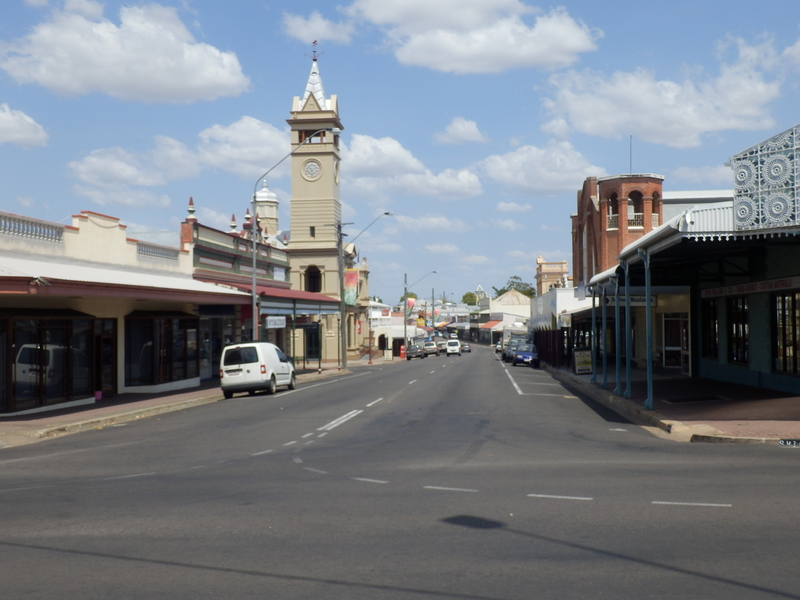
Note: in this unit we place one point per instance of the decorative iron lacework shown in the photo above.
(766, 183)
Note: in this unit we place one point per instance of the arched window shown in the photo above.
(313, 279)
(635, 210)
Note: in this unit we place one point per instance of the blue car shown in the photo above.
(525, 354)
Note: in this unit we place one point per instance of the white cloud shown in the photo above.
(476, 259)
(25, 201)
(513, 207)
(247, 147)
(316, 27)
(150, 57)
(377, 167)
(531, 170)
(122, 194)
(428, 223)
(36, 3)
(509, 224)
(476, 36)
(18, 128)
(378, 157)
(705, 176)
(242, 148)
(675, 114)
(442, 249)
(460, 130)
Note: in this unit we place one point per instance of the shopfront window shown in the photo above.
(786, 322)
(738, 330)
(710, 328)
(160, 350)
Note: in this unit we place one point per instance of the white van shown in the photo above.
(254, 366)
(453, 347)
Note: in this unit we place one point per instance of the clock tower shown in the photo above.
(315, 209)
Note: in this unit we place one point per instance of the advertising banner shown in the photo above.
(350, 287)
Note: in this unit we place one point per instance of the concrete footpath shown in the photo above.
(691, 409)
(686, 409)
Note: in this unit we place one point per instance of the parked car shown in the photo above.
(466, 348)
(453, 347)
(498, 346)
(254, 366)
(415, 351)
(525, 354)
(508, 353)
(430, 348)
(453, 336)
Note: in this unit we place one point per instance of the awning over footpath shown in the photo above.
(492, 325)
(58, 277)
(281, 301)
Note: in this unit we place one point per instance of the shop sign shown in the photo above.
(276, 322)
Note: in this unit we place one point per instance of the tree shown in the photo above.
(410, 295)
(470, 299)
(516, 283)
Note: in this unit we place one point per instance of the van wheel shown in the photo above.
(228, 394)
(271, 387)
(293, 382)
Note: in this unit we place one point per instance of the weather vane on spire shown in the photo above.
(314, 56)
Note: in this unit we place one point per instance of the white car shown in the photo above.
(254, 366)
(453, 347)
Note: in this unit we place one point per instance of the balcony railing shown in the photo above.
(155, 251)
(31, 228)
(635, 221)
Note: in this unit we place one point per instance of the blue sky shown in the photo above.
(474, 121)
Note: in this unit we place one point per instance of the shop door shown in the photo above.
(676, 342)
(105, 356)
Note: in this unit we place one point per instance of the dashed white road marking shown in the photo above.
(369, 480)
(320, 471)
(340, 420)
(262, 452)
(308, 435)
(617, 429)
(290, 443)
(693, 504)
(374, 402)
(298, 460)
(130, 476)
(558, 497)
(432, 372)
(449, 489)
(31, 487)
(323, 434)
(412, 382)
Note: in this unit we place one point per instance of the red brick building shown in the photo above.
(612, 213)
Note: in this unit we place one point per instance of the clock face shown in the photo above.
(311, 169)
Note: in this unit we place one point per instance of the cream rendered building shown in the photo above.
(316, 220)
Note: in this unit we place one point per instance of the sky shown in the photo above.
(475, 122)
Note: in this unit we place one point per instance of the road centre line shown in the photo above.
(262, 452)
(412, 382)
(514, 383)
(320, 471)
(374, 402)
(448, 489)
(290, 443)
(693, 504)
(340, 420)
(370, 480)
(30, 487)
(308, 435)
(129, 476)
(297, 460)
(558, 497)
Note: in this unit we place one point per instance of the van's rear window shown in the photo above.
(240, 356)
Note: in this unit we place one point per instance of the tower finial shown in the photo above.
(314, 50)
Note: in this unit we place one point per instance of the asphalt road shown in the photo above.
(448, 477)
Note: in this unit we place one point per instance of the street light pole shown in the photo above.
(405, 304)
(342, 304)
(255, 230)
